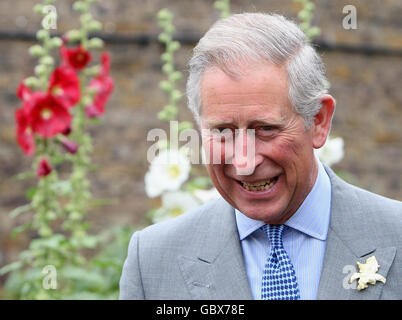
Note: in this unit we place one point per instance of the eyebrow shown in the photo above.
(216, 122)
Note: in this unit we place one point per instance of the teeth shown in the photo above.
(259, 186)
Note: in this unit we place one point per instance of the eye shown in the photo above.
(266, 131)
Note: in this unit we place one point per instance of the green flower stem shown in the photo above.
(168, 85)
(305, 16)
(59, 219)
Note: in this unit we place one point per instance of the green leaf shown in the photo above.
(90, 241)
(84, 279)
(20, 229)
(61, 187)
(52, 242)
(30, 193)
(21, 209)
(11, 267)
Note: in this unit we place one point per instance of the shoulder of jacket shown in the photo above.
(178, 230)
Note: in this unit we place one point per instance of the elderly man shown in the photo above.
(289, 228)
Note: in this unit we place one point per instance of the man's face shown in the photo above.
(283, 165)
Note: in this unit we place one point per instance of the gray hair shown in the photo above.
(260, 37)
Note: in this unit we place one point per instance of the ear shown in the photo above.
(322, 121)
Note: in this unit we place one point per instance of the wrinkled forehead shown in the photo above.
(260, 93)
(250, 85)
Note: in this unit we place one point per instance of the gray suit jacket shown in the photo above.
(198, 255)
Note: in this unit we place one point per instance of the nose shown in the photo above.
(245, 159)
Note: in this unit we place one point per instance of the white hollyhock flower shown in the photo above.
(206, 195)
(332, 152)
(167, 172)
(174, 204)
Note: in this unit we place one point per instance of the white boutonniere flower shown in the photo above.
(368, 273)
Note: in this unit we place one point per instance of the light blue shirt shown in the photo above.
(304, 240)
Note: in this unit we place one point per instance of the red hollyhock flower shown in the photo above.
(23, 92)
(92, 111)
(65, 84)
(76, 58)
(103, 85)
(48, 115)
(44, 168)
(24, 134)
(105, 64)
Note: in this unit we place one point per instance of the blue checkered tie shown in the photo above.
(279, 278)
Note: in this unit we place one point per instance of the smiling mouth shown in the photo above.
(262, 185)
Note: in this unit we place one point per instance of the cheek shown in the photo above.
(289, 153)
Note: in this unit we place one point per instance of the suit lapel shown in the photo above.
(349, 240)
(217, 270)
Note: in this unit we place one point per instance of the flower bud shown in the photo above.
(175, 76)
(46, 60)
(36, 50)
(173, 46)
(94, 25)
(304, 15)
(44, 168)
(73, 35)
(313, 32)
(38, 8)
(67, 131)
(80, 6)
(166, 57)
(42, 34)
(176, 95)
(164, 37)
(167, 68)
(95, 43)
(31, 82)
(55, 42)
(86, 18)
(165, 85)
(69, 146)
(40, 70)
(164, 14)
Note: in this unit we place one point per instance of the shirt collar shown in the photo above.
(312, 217)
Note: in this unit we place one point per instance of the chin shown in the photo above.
(267, 210)
(268, 216)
